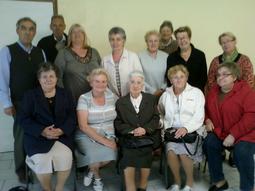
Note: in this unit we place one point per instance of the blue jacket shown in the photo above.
(35, 115)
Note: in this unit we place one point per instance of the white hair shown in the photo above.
(136, 73)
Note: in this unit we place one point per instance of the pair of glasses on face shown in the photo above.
(224, 75)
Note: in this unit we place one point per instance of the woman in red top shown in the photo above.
(230, 121)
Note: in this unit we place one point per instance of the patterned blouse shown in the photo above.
(242, 61)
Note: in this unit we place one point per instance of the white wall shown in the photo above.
(206, 18)
(10, 12)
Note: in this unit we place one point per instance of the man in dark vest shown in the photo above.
(19, 64)
(58, 39)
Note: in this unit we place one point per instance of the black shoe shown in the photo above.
(215, 188)
(19, 188)
(231, 161)
(140, 189)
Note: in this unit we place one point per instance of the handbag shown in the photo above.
(132, 142)
(188, 138)
(169, 136)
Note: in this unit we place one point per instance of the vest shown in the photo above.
(23, 69)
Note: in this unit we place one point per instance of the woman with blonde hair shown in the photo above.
(95, 138)
(76, 61)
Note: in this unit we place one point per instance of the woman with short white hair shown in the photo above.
(137, 118)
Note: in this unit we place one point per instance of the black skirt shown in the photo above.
(138, 158)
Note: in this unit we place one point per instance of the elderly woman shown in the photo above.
(137, 117)
(167, 43)
(182, 109)
(154, 64)
(48, 119)
(230, 53)
(120, 62)
(192, 58)
(76, 61)
(230, 121)
(95, 138)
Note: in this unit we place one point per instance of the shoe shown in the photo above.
(98, 184)
(175, 187)
(231, 161)
(88, 178)
(215, 188)
(187, 188)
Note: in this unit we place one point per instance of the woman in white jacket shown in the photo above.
(182, 108)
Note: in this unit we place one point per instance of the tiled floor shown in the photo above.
(110, 178)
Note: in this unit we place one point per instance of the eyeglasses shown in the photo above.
(224, 75)
(178, 78)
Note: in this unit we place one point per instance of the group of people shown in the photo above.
(66, 101)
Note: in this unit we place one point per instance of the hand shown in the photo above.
(139, 131)
(229, 141)
(158, 93)
(112, 144)
(181, 132)
(10, 111)
(50, 133)
(209, 125)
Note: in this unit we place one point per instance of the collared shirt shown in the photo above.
(5, 60)
(62, 40)
(136, 102)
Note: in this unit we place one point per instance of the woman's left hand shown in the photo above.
(229, 141)
(181, 132)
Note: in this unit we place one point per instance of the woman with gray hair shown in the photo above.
(120, 62)
(230, 53)
(136, 124)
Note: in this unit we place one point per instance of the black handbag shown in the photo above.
(188, 138)
(132, 142)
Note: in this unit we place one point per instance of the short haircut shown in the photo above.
(183, 29)
(97, 72)
(45, 67)
(57, 17)
(117, 30)
(166, 24)
(173, 70)
(69, 39)
(135, 73)
(149, 33)
(229, 34)
(232, 67)
(25, 19)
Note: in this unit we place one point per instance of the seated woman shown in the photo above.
(48, 119)
(230, 121)
(95, 138)
(182, 108)
(137, 116)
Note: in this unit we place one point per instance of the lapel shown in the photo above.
(143, 104)
(128, 104)
(42, 101)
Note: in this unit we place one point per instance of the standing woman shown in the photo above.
(137, 116)
(120, 62)
(192, 58)
(76, 61)
(95, 138)
(48, 119)
(154, 64)
(167, 43)
(230, 53)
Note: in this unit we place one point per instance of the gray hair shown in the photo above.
(24, 19)
(136, 73)
(117, 30)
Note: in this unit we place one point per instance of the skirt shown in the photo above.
(89, 151)
(179, 149)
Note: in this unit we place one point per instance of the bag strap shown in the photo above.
(195, 152)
